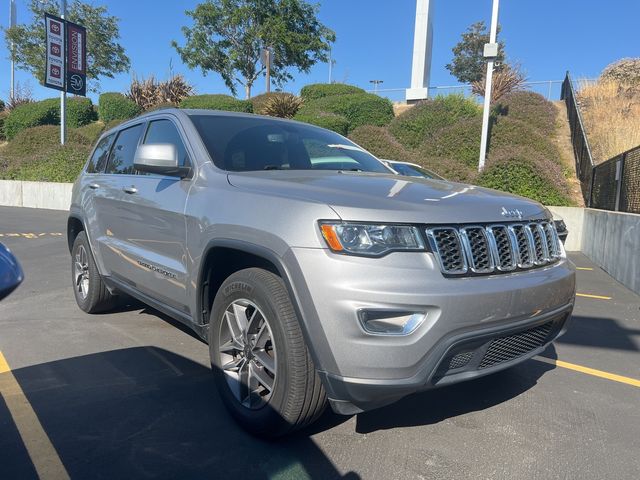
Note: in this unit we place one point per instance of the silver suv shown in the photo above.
(313, 272)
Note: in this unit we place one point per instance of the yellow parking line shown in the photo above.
(588, 295)
(590, 371)
(43, 455)
(584, 268)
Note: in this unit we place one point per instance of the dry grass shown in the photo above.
(611, 113)
(505, 81)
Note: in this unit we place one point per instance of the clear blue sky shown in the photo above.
(374, 39)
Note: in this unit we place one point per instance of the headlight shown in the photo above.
(371, 240)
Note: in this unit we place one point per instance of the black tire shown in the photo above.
(97, 297)
(298, 397)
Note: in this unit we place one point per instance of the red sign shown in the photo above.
(55, 38)
(76, 59)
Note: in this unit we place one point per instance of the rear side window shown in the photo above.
(99, 158)
(123, 151)
(164, 131)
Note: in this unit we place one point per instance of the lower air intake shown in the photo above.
(507, 348)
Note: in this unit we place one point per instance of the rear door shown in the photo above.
(151, 218)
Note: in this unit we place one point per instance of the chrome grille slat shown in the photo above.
(492, 248)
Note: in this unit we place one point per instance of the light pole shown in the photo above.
(12, 23)
(332, 62)
(490, 52)
(63, 93)
(375, 85)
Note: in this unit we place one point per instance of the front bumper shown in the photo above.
(362, 371)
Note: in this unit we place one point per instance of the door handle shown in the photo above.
(130, 190)
(94, 186)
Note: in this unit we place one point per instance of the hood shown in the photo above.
(374, 197)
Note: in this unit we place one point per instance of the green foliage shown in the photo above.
(36, 154)
(91, 131)
(113, 105)
(46, 112)
(80, 112)
(227, 37)
(319, 90)
(381, 143)
(259, 101)
(415, 125)
(3, 116)
(105, 57)
(468, 64)
(526, 172)
(217, 102)
(508, 132)
(358, 108)
(330, 121)
(459, 141)
(531, 108)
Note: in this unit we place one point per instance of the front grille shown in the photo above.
(460, 360)
(494, 248)
(507, 348)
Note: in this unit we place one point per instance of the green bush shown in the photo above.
(330, 121)
(531, 108)
(217, 102)
(450, 169)
(381, 143)
(320, 90)
(509, 132)
(358, 108)
(115, 106)
(412, 127)
(91, 131)
(460, 142)
(526, 172)
(3, 116)
(46, 112)
(80, 112)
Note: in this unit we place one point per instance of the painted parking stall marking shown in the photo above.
(590, 371)
(43, 454)
(595, 297)
(30, 235)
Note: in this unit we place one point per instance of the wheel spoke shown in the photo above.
(266, 360)
(245, 389)
(235, 365)
(232, 325)
(263, 335)
(261, 376)
(240, 317)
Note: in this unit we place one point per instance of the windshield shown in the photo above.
(243, 144)
(414, 171)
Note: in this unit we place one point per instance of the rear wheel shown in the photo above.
(262, 367)
(92, 295)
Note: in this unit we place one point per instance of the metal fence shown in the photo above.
(611, 185)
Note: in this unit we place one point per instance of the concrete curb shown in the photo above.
(48, 195)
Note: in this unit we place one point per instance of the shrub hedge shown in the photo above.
(381, 143)
(531, 108)
(259, 101)
(526, 172)
(46, 112)
(509, 132)
(91, 131)
(412, 127)
(358, 108)
(115, 106)
(330, 121)
(320, 90)
(459, 141)
(3, 116)
(217, 102)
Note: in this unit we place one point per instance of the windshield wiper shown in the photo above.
(271, 167)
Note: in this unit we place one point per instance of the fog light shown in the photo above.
(385, 322)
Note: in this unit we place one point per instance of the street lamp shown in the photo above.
(375, 85)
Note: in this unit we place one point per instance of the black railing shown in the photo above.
(581, 150)
(612, 185)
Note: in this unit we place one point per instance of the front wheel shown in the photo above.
(263, 370)
(92, 295)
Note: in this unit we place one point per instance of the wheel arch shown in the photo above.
(75, 225)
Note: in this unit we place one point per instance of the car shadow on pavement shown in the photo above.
(145, 412)
(600, 332)
(433, 406)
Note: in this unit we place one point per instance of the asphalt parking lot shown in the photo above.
(129, 395)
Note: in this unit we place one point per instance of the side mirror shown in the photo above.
(10, 272)
(160, 158)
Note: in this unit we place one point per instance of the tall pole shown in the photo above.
(267, 55)
(12, 23)
(330, 66)
(63, 93)
(487, 89)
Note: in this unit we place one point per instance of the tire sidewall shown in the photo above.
(270, 417)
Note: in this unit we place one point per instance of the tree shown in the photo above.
(105, 56)
(228, 36)
(469, 64)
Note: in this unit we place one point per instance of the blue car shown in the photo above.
(10, 272)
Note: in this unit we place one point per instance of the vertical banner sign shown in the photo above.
(55, 39)
(76, 59)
